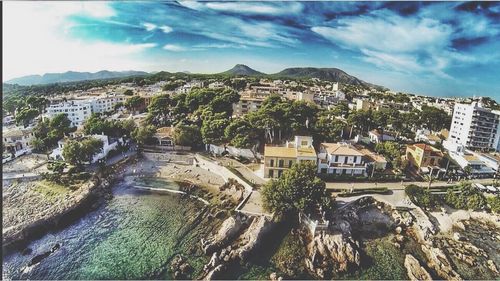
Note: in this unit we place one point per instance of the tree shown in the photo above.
(466, 197)
(298, 190)
(212, 129)
(78, 152)
(434, 118)
(241, 133)
(134, 103)
(128, 92)
(57, 167)
(187, 135)
(328, 129)
(159, 111)
(392, 151)
(26, 115)
(142, 135)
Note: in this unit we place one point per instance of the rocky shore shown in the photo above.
(30, 208)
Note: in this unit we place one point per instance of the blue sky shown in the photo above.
(434, 48)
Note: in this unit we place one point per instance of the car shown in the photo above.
(491, 189)
(481, 187)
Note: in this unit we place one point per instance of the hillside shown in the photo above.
(71, 76)
(327, 74)
(242, 70)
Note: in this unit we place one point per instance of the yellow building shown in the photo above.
(423, 155)
(278, 159)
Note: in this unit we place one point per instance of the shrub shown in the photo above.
(494, 203)
(467, 197)
(421, 197)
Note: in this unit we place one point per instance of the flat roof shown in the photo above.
(280, 151)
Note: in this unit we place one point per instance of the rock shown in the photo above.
(457, 236)
(212, 275)
(333, 252)
(414, 270)
(492, 266)
(399, 238)
(460, 225)
(229, 228)
(273, 276)
(252, 236)
(399, 230)
(440, 263)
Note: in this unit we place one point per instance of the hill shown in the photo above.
(327, 74)
(72, 76)
(243, 70)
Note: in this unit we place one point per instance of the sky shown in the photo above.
(432, 48)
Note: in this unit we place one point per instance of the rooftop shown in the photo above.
(341, 149)
(279, 151)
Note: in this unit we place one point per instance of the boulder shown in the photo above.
(251, 237)
(228, 230)
(440, 263)
(414, 270)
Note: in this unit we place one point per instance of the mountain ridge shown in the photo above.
(72, 76)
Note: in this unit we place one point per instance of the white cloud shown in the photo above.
(256, 8)
(166, 29)
(34, 41)
(149, 26)
(174, 48)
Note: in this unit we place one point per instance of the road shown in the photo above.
(392, 185)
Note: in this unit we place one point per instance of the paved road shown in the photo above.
(392, 185)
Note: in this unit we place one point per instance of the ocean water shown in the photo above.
(135, 235)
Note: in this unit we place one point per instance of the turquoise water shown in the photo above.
(133, 236)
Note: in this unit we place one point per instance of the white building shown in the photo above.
(107, 103)
(466, 158)
(107, 145)
(474, 126)
(77, 111)
(340, 159)
(17, 141)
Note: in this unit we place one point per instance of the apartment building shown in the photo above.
(108, 144)
(77, 111)
(278, 159)
(474, 127)
(341, 159)
(249, 102)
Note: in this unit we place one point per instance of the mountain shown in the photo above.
(243, 70)
(72, 76)
(327, 74)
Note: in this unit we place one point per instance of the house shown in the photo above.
(108, 144)
(280, 158)
(341, 159)
(378, 161)
(17, 141)
(423, 155)
(165, 136)
(377, 136)
(424, 135)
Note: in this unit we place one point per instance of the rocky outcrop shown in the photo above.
(439, 262)
(180, 267)
(331, 253)
(415, 271)
(229, 229)
(252, 235)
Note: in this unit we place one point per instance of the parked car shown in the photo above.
(491, 189)
(481, 187)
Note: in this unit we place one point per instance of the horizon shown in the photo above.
(427, 48)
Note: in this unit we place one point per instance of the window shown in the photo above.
(355, 158)
(271, 163)
(280, 172)
(303, 143)
(336, 158)
(290, 163)
(280, 163)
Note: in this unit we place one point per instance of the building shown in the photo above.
(362, 104)
(424, 135)
(475, 127)
(423, 155)
(378, 161)
(77, 111)
(17, 141)
(106, 103)
(108, 144)
(341, 159)
(278, 159)
(249, 102)
(377, 136)
(165, 136)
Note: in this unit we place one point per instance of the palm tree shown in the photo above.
(429, 179)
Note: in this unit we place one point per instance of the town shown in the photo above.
(266, 148)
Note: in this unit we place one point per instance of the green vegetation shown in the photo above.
(421, 197)
(78, 152)
(50, 190)
(187, 135)
(298, 190)
(494, 203)
(467, 197)
(143, 135)
(363, 191)
(49, 131)
(289, 259)
(113, 128)
(392, 152)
